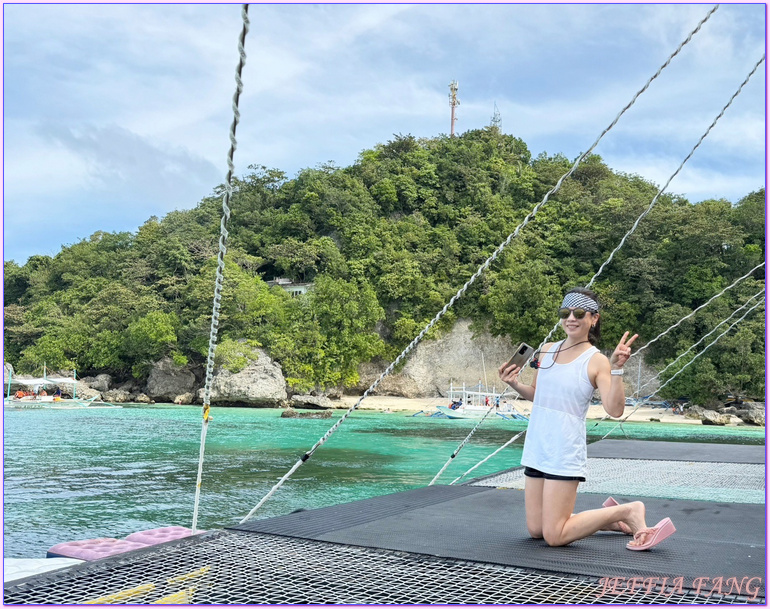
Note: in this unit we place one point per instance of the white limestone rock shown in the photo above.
(707, 417)
(755, 416)
(167, 380)
(116, 396)
(311, 402)
(260, 383)
(457, 357)
(101, 382)
(185, 398)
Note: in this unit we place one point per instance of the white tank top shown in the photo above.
(556, 434)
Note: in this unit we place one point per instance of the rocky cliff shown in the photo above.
(457, 357)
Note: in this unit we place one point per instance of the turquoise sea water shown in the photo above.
(80, 474)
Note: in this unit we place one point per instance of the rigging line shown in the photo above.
(639, 390)
(732, 325)
(639, 400)
(642, 216)
(720, 324)
(636, 224)
(461, 292)
(662, 334)
(638, 220)
(488, 457)
(220, 273)
(462, 444)
(706, 348)
(665, 186)
(678, 169)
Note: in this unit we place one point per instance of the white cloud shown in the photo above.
(36, 163)
(130, 104)
(697, 181)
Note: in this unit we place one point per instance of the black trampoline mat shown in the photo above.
(488, 525)
(676, 451)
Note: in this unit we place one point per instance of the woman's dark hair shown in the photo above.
(595, 333)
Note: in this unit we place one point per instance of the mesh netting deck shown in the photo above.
(231, 567)
(697, 480)
(462, 544)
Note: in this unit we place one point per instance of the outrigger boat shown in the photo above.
(474, 403)
(53, 402)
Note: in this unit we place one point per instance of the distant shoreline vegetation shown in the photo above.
(385, 244)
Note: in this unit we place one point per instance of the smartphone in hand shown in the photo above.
(523, 353)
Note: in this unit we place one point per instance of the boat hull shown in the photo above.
(51, 404)
(476, 413)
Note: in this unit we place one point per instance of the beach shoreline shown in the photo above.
(385, 403)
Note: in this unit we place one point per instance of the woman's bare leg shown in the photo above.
(533, 506)
(561, 526)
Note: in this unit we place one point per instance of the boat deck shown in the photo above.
(462, 544)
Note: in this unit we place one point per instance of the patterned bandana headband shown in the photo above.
(575, 300)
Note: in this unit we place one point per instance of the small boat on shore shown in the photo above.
(476, 412)
(38, 397)
(475, 402)
(31, 403)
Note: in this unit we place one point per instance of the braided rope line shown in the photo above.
(706, 348)
(462, 444)
(678, 169)
(488, 457)
(220, 274)
(732, 325)
(663, 189)
(461, 292)
(719, 325)
(633, 229)
(662, 334)
(558, 185)
(639, 402)
(647, 211)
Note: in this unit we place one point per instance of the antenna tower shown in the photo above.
(453, 103)
(497, 120)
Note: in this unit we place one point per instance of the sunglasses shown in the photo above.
(578, 313)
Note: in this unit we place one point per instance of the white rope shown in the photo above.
(673, 175)
(719, 325)
(647, 211)
(635, 225)
(706, 348)
(488, 457)
(714, 297)
(220, 276)
(662, 190)
(479, 271)
(732, 325)
(463, 443)
(639, 401)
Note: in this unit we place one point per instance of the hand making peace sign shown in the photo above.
(622, 351)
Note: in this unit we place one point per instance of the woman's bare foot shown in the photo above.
(635, 519)
(619, 527)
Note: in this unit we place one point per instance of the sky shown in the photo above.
(116, 113)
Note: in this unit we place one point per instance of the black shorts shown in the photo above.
(536, 473)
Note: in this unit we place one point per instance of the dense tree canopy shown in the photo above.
(386, 243)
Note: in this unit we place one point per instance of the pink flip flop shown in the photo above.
(625, 529)
(662, 530)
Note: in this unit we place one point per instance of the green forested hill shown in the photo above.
(386, 243)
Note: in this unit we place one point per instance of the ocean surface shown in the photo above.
(81, 474)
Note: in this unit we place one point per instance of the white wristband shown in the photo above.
(618, 372)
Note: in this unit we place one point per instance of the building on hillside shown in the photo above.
(288, 285)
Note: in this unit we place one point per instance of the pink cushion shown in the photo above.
(155, 536)
(94, 549)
